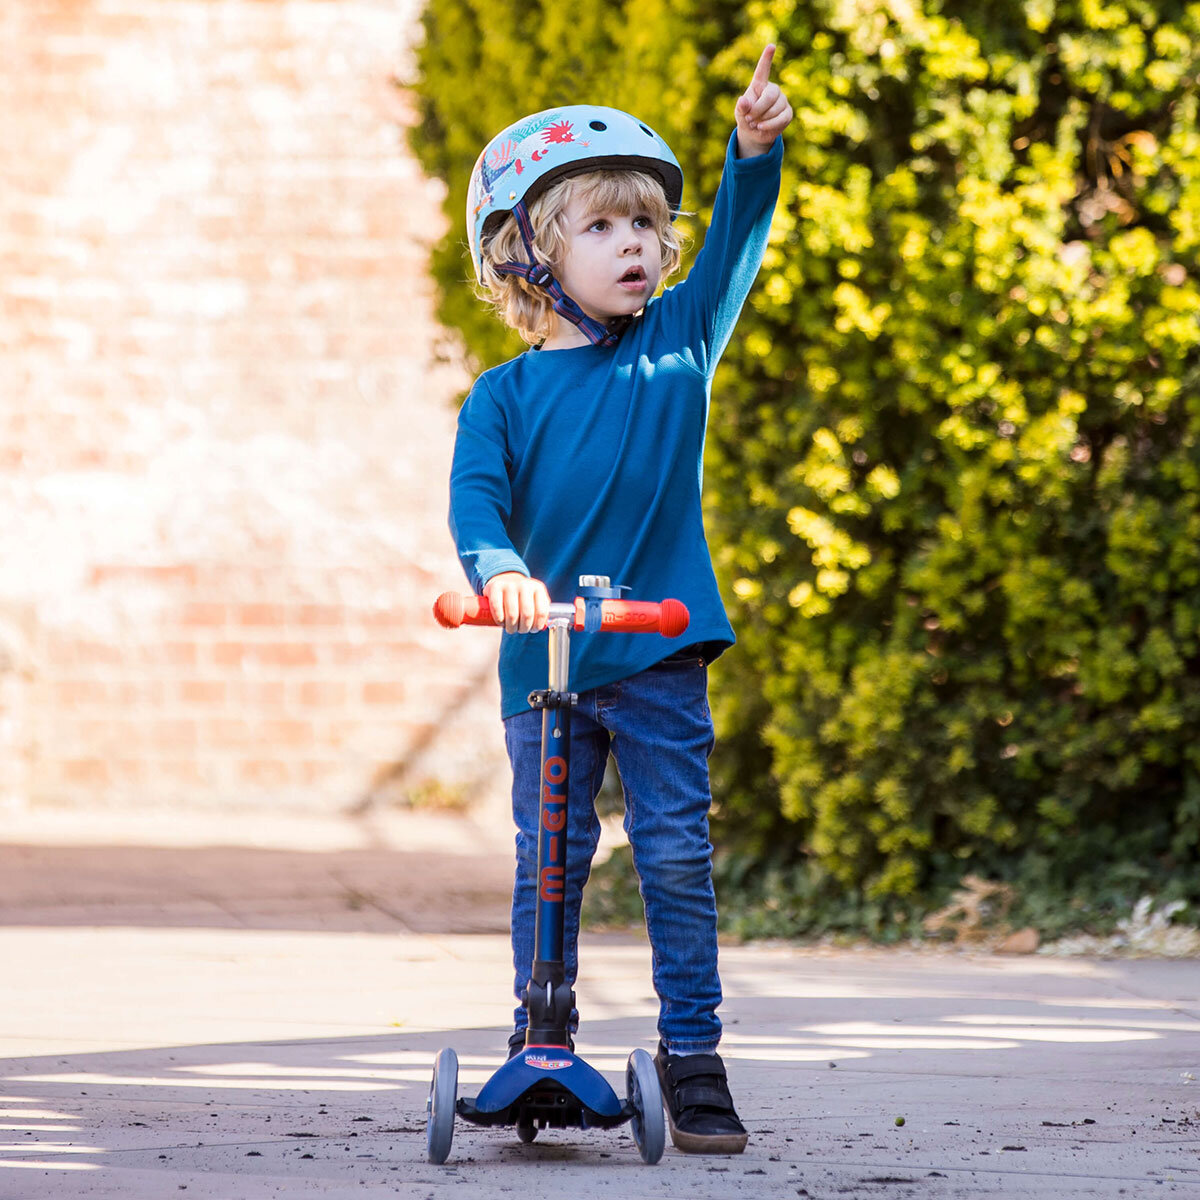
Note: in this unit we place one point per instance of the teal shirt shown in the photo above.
(588, 461)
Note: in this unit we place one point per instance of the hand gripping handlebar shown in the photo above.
(670, 618)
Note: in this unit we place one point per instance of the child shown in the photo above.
(583, 456)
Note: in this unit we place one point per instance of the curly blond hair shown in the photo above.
(530, 310)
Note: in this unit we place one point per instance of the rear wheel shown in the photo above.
(443, 1098)
(526, 1131)
(645, 1096)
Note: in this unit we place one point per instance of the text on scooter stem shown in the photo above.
(554, 817)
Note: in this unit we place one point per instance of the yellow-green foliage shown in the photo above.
(954, 455)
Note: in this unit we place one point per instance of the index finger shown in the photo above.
(762, 72)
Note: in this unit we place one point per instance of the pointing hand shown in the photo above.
(762, 112)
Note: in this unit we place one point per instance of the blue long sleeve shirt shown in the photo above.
(588, 460)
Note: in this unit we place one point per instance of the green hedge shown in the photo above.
(954, 456)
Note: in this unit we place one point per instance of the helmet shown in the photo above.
(522, 161)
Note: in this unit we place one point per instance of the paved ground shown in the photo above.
(235, 1009)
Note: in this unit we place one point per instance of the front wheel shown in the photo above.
(443, 1098)
(645, 1095)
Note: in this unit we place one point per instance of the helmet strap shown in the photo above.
(539, 275)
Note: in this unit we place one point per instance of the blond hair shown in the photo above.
(529, 309)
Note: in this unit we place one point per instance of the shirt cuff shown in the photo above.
(767, 159)
(489, 563)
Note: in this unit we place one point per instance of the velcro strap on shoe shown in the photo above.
(697, 1096)
(693, 1065)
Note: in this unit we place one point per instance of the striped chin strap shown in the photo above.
(541, 276)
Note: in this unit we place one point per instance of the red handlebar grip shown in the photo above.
(452, 610)
(670, 618)
(674, 618)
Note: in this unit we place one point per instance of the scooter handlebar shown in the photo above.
(670, 617)
(452, 610)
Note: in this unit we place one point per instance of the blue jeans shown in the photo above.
(658, 727)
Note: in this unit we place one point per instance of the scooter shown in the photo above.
(547, 1084)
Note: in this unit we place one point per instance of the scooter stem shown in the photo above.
(560, 650)
(549, 998)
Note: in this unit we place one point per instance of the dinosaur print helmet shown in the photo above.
(522, 161)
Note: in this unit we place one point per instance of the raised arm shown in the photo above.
(702, 311)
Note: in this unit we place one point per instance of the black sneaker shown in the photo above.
(699, 1107)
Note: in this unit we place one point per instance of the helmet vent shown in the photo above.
(647, 132)
(598, 126)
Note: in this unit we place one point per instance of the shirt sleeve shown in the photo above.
(481, 490)
(704, 308)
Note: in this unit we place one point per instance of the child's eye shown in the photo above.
(600, 223)
(642, 222)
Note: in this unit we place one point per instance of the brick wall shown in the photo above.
(225, 414)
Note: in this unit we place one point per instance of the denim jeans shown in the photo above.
(658, 727)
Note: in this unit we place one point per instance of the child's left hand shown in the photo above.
(762, 112)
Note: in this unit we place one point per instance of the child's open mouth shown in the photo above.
(635, 277)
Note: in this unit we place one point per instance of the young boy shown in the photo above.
(583, 456)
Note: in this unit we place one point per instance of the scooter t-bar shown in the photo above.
(546, 1083)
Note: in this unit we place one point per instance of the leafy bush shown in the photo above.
(954, 457)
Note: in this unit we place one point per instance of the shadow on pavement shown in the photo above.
(1002, 1092)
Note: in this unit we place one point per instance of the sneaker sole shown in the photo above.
(700, 1143)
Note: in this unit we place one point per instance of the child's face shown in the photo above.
(613, 261)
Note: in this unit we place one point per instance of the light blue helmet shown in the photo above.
(522, 161)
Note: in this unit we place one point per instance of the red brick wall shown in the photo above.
(225, 413)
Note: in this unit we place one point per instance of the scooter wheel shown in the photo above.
(526, 1131)
(645, 1096)
(443, 1098)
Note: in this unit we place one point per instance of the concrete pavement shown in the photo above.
(232, 1009)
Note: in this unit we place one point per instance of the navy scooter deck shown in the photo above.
(548, 1086)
